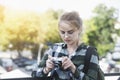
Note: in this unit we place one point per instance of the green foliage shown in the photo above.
(3, 38)
(21, 32)
(2, 8)
(50, 24)
(26, 30)
(101, 28)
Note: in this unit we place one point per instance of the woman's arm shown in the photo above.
(40, 71)
(92, 71)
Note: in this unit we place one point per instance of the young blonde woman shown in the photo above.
(65, 61)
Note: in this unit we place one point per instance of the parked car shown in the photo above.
(20, 62)
(116, 55)
(7, 64)
(23, 61)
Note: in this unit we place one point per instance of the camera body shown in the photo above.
(57, 62)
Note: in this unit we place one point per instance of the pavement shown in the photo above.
(14, 74)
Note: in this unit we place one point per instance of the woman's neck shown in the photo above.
(72, 47)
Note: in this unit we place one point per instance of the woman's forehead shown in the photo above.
(66, 25)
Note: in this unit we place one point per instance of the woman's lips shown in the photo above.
(67, 40)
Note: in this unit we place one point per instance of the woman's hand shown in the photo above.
(67, 63)
(49, 64)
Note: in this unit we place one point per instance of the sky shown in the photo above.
(84, 7)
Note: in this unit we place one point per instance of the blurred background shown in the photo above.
(29, 27)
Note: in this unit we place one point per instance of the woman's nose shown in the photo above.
(66, 35)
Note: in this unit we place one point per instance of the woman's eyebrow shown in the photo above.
(70, 30)
(67, 31)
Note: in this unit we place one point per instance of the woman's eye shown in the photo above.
(70, 32)
(62, 32)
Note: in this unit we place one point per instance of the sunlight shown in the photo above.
(82, 6)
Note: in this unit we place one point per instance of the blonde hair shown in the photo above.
(72, 18)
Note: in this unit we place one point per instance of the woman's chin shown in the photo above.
(68, 43)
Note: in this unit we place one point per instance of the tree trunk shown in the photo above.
(19, 53)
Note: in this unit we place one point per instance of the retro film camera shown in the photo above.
(57, 62)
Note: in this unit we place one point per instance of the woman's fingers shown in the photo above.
(49, 63)
(66, 62)
(50, 57)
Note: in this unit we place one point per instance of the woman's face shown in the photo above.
(69, 33)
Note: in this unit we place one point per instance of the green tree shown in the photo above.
(2, 8)
(101, 27)
(52, 34)
(26, 30)
(50, 24)
(22, 31)
(3, 36)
